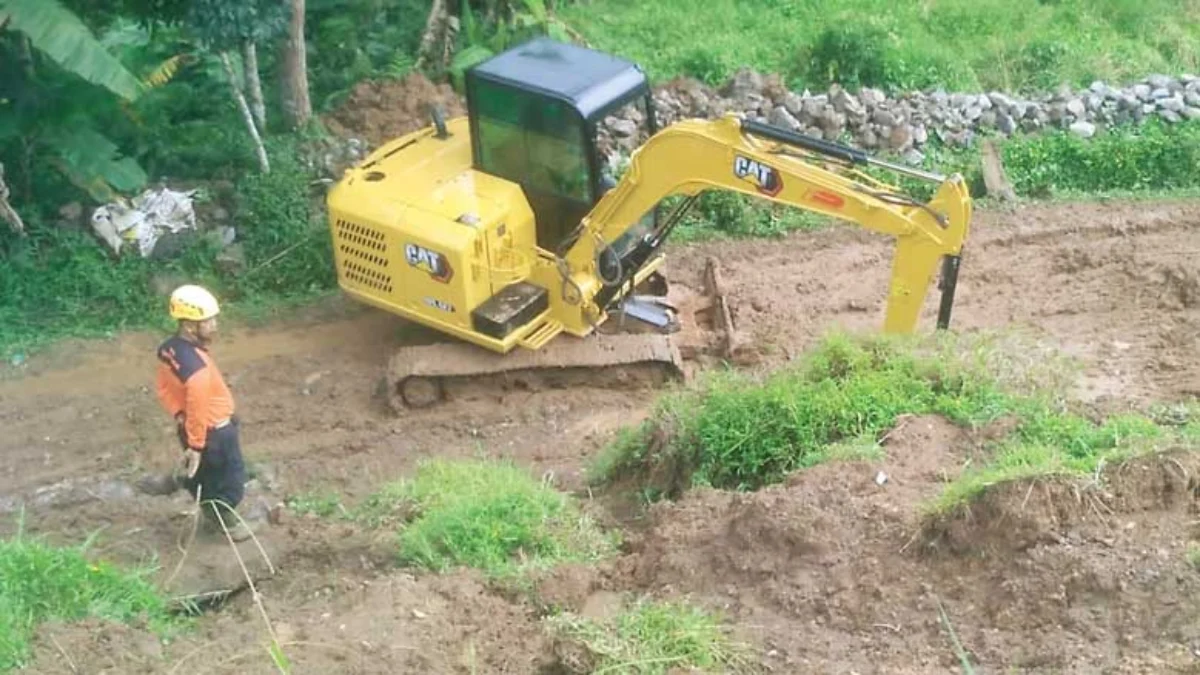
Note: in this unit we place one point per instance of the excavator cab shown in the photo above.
(535, 114)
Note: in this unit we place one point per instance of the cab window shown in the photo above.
(531, 140)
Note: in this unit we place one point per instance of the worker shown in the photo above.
(191, 389)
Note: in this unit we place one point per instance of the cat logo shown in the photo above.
(764, 178)
(432, 262)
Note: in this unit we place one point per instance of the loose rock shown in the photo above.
(1083, 129)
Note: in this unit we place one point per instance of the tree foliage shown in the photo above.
(60, 34)
(225, 24)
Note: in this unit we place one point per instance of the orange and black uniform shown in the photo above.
(189, 383)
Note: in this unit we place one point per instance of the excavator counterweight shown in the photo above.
(503, 231)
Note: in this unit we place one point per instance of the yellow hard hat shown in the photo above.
(193, 303)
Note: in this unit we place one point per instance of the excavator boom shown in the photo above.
(755, 159)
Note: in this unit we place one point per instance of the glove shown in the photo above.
(191, 462)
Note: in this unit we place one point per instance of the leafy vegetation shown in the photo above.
(1154, 157)
(492, 516)
(970, 45)
(39, 582)
(651, 638)
(59, 282)
(736, 432)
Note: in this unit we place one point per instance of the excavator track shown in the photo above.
(426, 375)
(624, 352)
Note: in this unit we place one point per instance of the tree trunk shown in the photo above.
(297, 108)
(435, 31)
(7, 212)
(254, 84)
(247, 117)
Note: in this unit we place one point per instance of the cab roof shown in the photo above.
(588, 80)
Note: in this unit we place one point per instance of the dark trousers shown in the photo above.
(222, 473)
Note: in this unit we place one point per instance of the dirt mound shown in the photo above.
(831, 570)
(378, 111)
(1013, 517)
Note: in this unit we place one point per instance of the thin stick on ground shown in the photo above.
(958, 648)
(70, 662)
(246, 573)
(187, 657)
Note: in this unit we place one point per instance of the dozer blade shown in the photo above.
(422, 376)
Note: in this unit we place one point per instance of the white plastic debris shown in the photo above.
(145, 219)
(881, 478)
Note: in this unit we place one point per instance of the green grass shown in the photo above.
(973, 45)
(492, 516)
(651, 638)
(735, 432)
(729, 215)
(321, 504)
(739, 432)
(39, 582)
(1054, 443)
(1152, 159)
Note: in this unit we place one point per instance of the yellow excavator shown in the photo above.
(505, 230)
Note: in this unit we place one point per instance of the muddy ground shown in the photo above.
(819, 575)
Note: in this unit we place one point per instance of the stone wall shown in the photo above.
(905, 123)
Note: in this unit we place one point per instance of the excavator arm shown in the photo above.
(752, 158)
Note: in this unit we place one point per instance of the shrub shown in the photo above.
(491, 516)
(651, 638)
(736, 432)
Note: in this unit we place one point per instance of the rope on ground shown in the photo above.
(253, 537)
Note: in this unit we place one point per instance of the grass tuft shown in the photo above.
(650, 638)
(1050, 443)
(40, 582)
(320, 504)
(488, 515)
(1193, 555)
(738, 432)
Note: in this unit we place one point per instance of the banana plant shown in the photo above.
(43, 114)
(61, 35)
